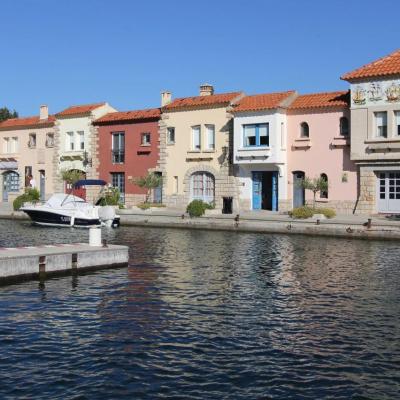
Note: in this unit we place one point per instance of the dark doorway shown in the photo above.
(265, 190)
(157, 192)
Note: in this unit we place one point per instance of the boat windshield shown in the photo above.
(64, 200)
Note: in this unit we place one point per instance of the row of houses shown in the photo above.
(248, 150)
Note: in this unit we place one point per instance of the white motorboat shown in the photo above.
(69, 210)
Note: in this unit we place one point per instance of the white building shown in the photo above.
(375, 133)
(76, 140)
(260, 150)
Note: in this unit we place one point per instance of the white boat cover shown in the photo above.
(66, 201)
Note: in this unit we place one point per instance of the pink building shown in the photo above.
(319, 146)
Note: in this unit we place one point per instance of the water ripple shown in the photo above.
(206, 315)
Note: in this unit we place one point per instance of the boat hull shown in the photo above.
(41, 217)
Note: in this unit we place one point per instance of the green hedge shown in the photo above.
(308, 212)
(197, 208)
(31, 195)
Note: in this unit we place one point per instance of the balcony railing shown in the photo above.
(118, 156)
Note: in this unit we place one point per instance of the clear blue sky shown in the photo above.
(64, 52)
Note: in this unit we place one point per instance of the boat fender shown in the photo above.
(72, 220)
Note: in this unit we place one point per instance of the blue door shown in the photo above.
(157, 192)
(257, 190)
(275, 191)
(298, 189)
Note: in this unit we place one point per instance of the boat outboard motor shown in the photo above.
(107, 215)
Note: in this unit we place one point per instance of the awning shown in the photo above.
(8, 163)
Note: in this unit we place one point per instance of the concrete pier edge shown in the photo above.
(327, 228)
(293, 227)
(42, 262)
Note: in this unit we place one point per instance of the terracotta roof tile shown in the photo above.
(321, 100)
(27, 122)
(385, 66)
(201, 101)
(82, 109)
(265, 101)
(150, 113)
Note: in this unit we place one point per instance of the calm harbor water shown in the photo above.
(206, 315)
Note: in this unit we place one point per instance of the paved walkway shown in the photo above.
(262, 215)
(349, 226)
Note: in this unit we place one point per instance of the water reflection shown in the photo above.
(207, 315)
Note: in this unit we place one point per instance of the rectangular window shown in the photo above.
(263, 135)
(70, 143)
(210, 129)
(170, 135)
(6, 145)
(176, 184)
(32, 140)
(145, 139)
(81, 140)
(381, 124)
(282, 135)
(118, 181)
(196, 137)
(118, 147)
(49, 139)
(397, 122)
(256, 135)
(14, 145)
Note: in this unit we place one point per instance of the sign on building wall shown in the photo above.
(375, 93)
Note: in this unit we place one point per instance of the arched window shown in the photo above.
(304, 130)
(344, 126)
(202, 186)
(323, 194)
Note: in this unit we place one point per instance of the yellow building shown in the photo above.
(26, 152)
(196, 136)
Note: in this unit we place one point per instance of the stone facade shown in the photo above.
(178, 161)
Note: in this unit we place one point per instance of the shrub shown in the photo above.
(328, 212)
(302, 212)
(209, 206)
(146, 206)
(307, 212)
(111, 197)
(30, 195)
(197, 208)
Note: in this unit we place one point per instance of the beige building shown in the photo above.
(196, 136)
(76, 141)
(375, 133)
(27, 149)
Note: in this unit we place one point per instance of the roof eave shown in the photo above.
(31, 126)
(126, 121)
(194, 108)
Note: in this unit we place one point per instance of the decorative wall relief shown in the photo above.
(358, 95)
(393, 92)
(375, 93)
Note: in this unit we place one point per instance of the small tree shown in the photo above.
(149, 182)
(71, 176)
(315, 185)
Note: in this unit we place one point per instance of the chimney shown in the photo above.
(165, 98)
(44, 112)
(206, 89)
